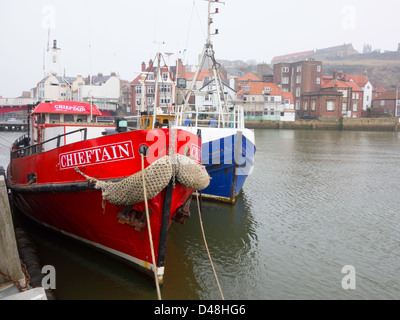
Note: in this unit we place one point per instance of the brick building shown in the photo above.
(143, 93)
(336, 98)
(386, 102)
(299, 77)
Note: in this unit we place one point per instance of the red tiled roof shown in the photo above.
(288, 95)
(388, 95)
(249, 77)
(360, 80)
(379, 89)
(257, 88)
(354, 85)
(202, 74)
(335, 83)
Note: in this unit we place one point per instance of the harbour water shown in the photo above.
(317, 201)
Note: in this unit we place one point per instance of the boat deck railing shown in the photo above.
(192, 115)
(38, 147)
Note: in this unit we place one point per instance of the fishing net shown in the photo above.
(157, 176)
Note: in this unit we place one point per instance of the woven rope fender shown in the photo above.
(157, 176)
(130, 190)
(191, 174)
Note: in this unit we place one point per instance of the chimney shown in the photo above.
(143, 67)
(334, 74)
(181, 70)
(150, 65)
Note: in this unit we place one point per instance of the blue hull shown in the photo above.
(228, 161)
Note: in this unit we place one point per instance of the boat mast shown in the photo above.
(209, 51)
(156, 88)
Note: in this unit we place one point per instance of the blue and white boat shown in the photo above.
(228, 148)
(227, 153)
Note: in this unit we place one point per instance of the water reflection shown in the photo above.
(316, 201)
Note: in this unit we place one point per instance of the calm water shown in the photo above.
(316, 201)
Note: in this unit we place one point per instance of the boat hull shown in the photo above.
(62, 199)
(228, 155)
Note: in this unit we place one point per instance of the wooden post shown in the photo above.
(9, 257)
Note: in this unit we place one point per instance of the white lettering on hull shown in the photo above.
(100, 154)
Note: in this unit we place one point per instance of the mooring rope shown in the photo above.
(149, 228)
(205, 243)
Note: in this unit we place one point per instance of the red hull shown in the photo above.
(61, 198)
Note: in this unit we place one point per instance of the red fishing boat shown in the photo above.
(94, 181)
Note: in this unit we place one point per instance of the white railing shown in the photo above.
(207, 117)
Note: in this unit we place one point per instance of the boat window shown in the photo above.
(54, 117)
(82, 118)
(165, 121)
(68, 118)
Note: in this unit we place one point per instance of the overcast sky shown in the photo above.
(104, 36)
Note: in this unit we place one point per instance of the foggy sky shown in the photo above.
(103, 36)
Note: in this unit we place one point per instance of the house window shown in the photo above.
(319, 68)
(165, 76)
(318, 80)
(298, 68)
(382, 103)
(150, 101)
(165, 88)
(355, 106)
(138, 102)
(330, 105)
(298, 92)
(285, 69)
(165, 100)
(313, 105)
(298, 79)
(297, 105)
(150, 89)
(305, 105)
(138, 89)
(344, 106)
(285, 80)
